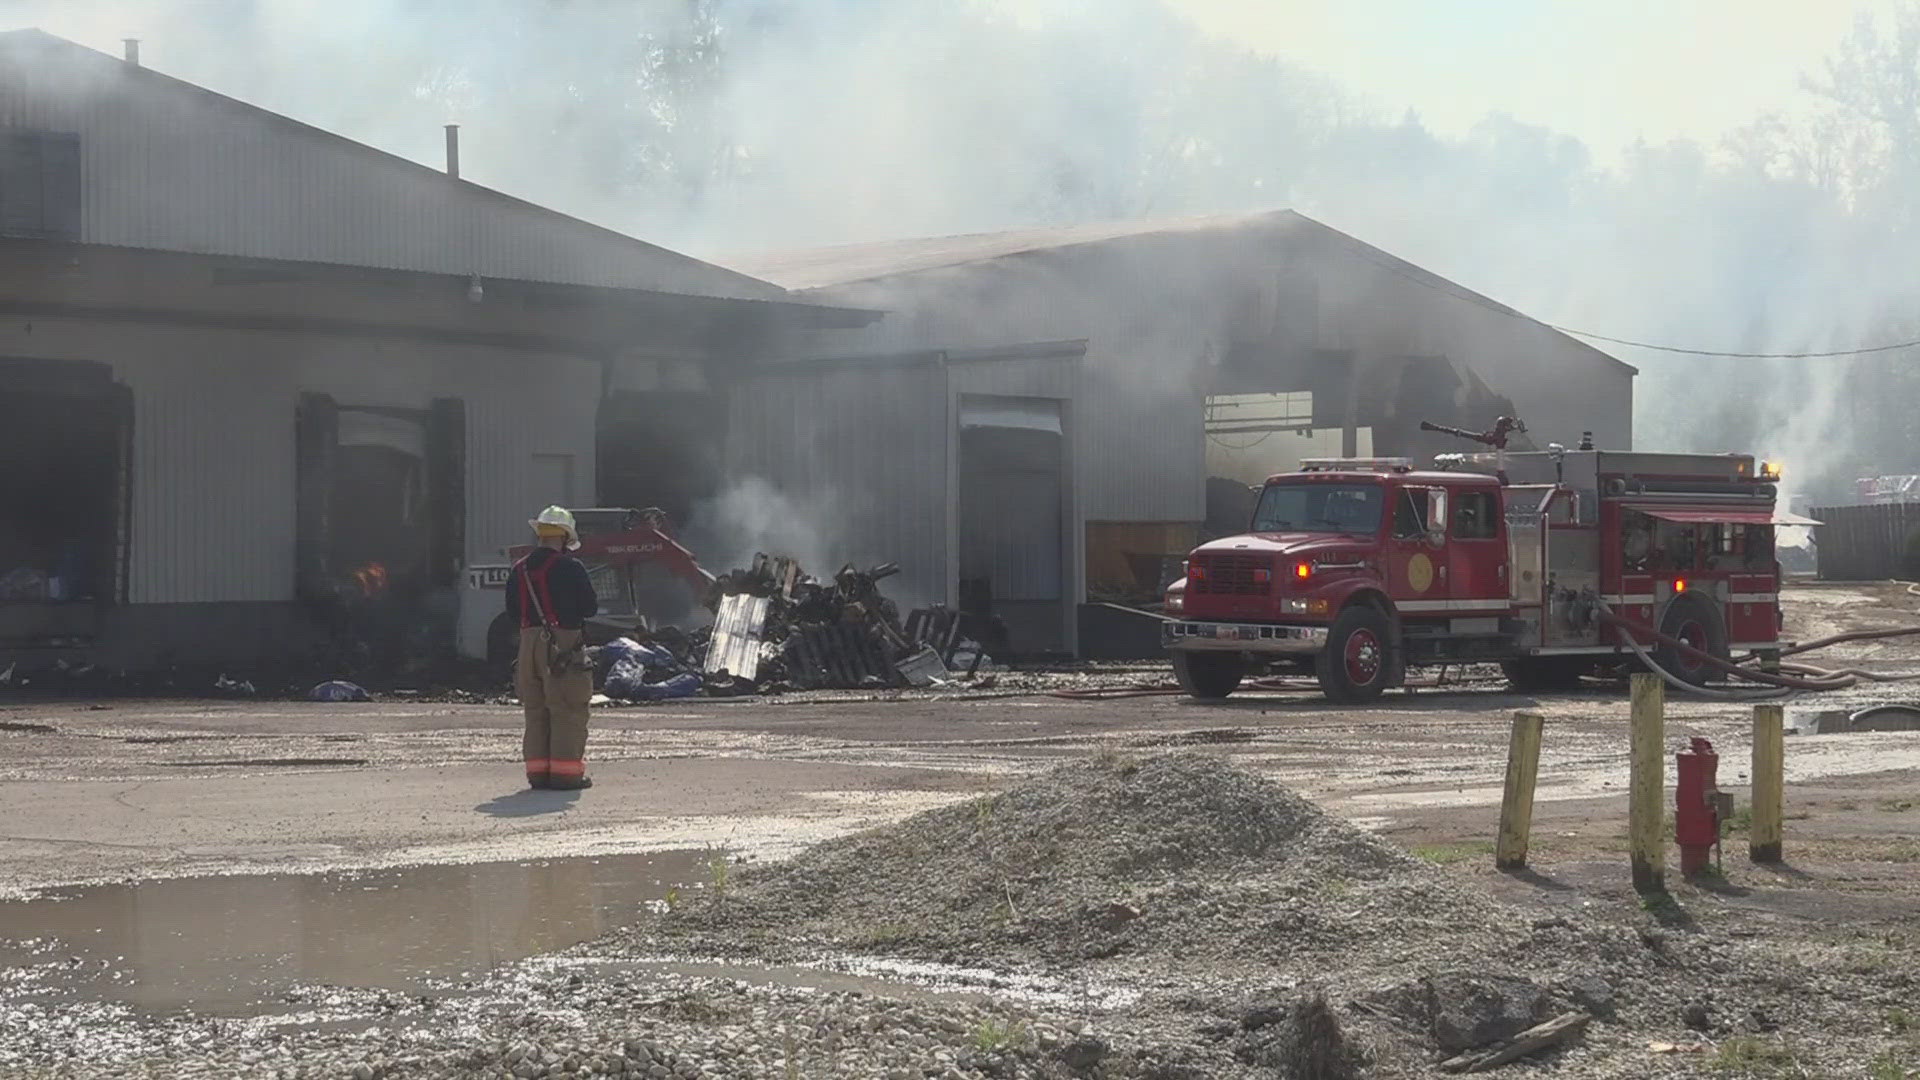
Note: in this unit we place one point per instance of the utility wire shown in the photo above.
(1461, 292)
(1739, 355)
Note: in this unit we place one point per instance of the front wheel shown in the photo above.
(1358, 663)
(1208, 675)
(1698, 623)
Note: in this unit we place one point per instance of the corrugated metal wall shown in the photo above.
(866, 450)
(213, 471)
(1138, 426)
(1868, 543)
(861, 452)
(169, 166)
(1143, 452)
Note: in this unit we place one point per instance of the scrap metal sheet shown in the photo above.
(736, 636)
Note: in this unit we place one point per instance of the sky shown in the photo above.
(1605, 71)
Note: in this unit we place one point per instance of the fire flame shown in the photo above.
(372, 579)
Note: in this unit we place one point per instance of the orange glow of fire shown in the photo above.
(372, 579)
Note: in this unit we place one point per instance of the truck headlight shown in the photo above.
(1176, 603)
(1301, 606)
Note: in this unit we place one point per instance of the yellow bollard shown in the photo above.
(1646, 797)
(1769, 783)
(1516, 806)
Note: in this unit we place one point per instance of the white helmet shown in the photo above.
(560, 518)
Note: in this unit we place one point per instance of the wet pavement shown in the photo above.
(238, 945)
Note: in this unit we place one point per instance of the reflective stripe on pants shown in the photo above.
(555, 704)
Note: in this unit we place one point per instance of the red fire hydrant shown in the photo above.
(1696, 816)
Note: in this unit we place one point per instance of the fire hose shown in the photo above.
(1272, 685)
(1803, 677)
(1852, 635)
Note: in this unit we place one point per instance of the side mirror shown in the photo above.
(1437, 517)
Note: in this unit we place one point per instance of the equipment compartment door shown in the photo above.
(1477, 550)
(1416, 565)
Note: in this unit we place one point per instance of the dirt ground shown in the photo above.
(108, 790)
(132, 790)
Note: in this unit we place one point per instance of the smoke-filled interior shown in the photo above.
(60, 510)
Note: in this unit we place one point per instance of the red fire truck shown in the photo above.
(1542, 561)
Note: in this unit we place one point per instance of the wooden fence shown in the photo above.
(1869, 543)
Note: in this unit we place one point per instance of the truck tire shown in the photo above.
(1528, 673)
(1698, 623)
(1209, 676)
(1359, 662)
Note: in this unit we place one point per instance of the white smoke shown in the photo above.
(732, 125)
(752, 516)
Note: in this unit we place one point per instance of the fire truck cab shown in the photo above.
(1546, 562)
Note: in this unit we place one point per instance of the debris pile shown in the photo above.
(777, 628)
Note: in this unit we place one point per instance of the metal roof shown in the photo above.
(844, 264)
(847, 264)
(173, 166)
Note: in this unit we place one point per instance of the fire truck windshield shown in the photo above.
(1317, 507)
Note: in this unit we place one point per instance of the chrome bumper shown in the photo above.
(1242, 637)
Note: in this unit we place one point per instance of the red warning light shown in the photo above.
(1679, 585)
(1303, 570)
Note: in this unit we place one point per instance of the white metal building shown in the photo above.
(248, 367)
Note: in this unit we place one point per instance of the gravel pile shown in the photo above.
(1176, 855)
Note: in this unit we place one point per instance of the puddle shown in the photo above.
(233, 946)
(1890, 716)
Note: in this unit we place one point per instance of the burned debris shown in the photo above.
(776, 628)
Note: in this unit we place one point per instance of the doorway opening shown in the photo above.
(382, 526)
(1012, 514)
(661, 449)
(66, 436)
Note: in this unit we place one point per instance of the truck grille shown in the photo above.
(1231, 575)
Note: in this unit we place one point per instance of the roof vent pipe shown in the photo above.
(453, 151)
(132, 45)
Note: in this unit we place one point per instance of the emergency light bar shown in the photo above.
(1374, 464)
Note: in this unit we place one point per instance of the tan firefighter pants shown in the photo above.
(556, 707)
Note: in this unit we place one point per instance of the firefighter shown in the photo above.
(551, 597)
